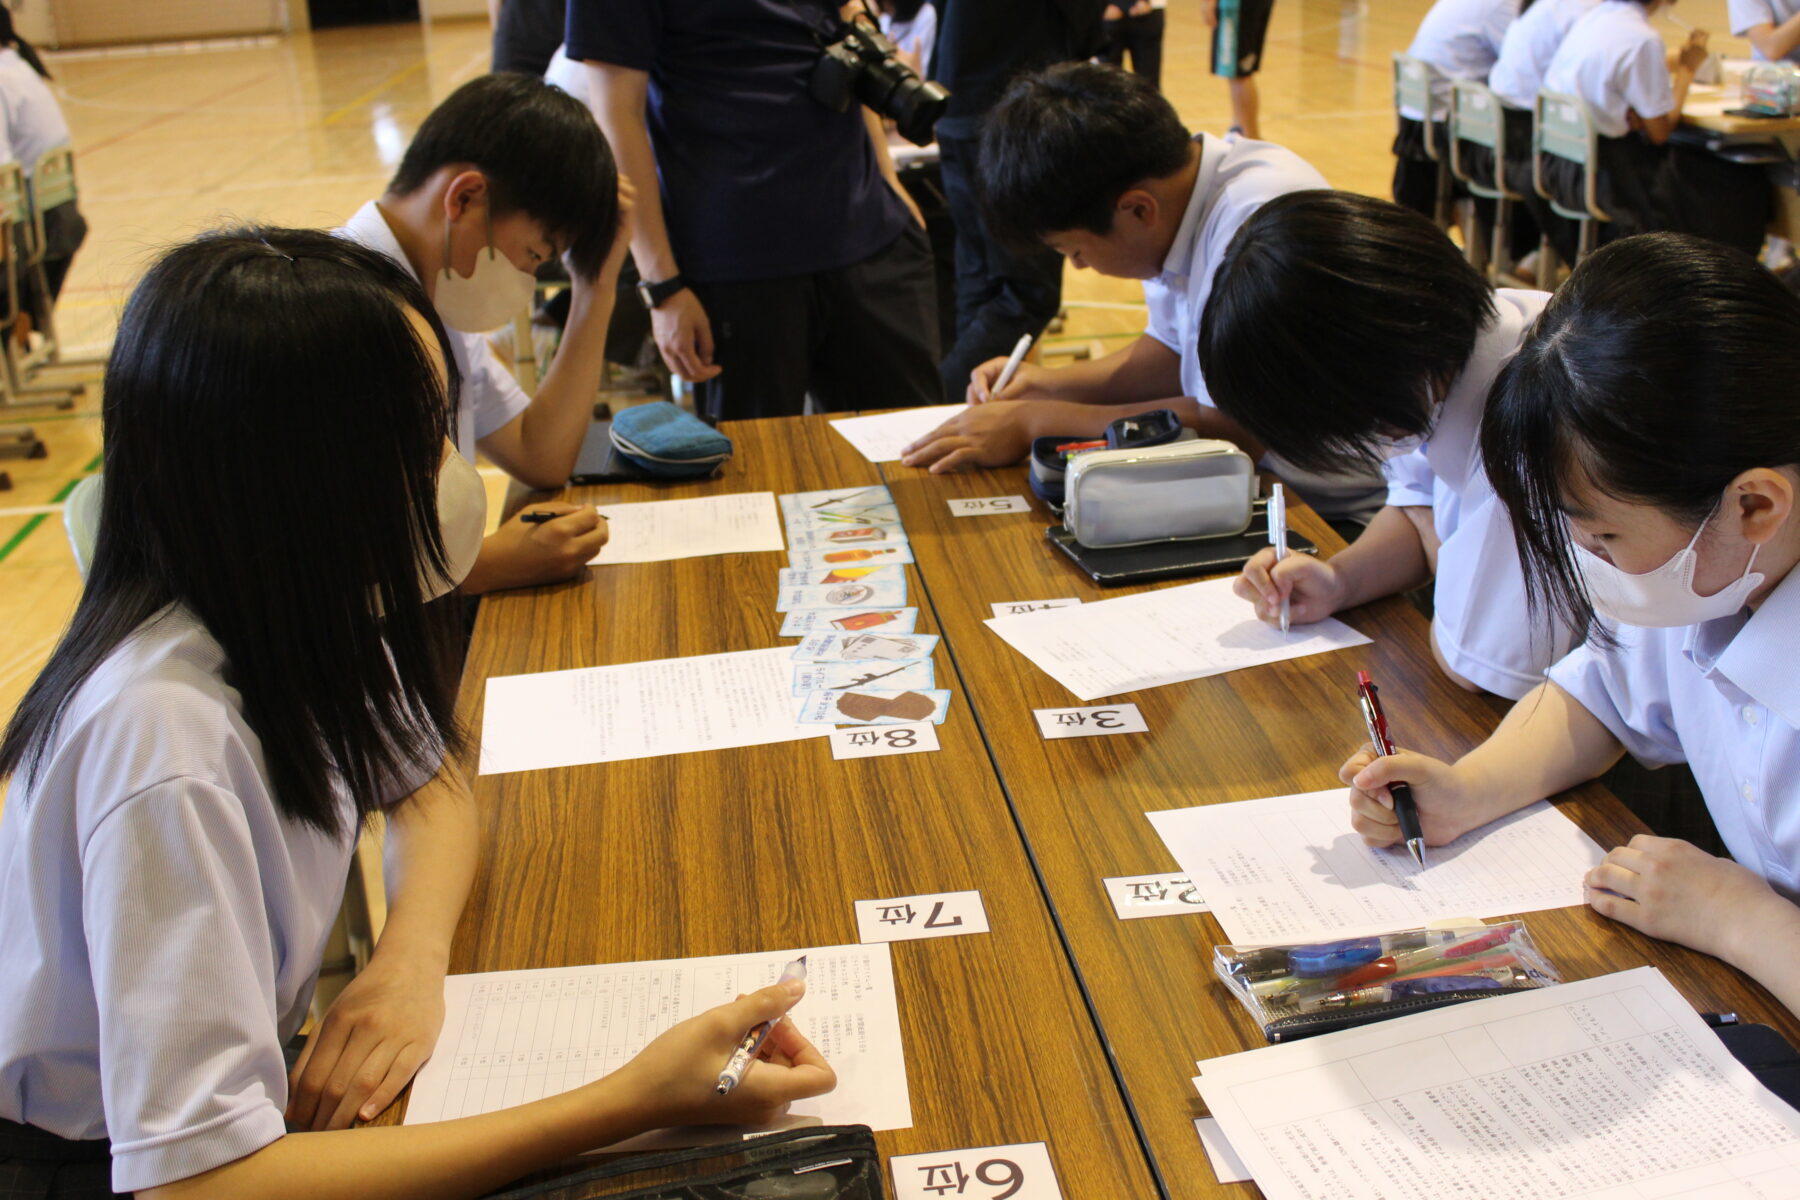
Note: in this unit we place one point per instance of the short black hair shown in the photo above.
(541, 150)
(1336, 319)
(1063, 144)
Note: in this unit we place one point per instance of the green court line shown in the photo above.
(36, 519)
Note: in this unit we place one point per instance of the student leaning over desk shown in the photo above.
(1646, 442)
(241, 684)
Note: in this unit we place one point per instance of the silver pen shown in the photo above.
(752, 1044)
(1278, 537)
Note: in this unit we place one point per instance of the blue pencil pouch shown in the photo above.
(669, 442)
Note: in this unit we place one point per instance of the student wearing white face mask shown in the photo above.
(239, 687)
(506, 174)
(1646, 442)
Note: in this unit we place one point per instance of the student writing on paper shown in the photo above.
(1095, 164)
(1345, 331)
(503, 176)
(243, 682)
(1646, 442)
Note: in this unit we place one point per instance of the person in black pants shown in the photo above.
(526, 33)
(1136, 26)
(780, 257)
(1002, 291)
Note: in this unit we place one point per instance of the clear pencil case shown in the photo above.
(1298, 991)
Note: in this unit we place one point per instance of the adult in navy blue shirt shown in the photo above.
(781, 256)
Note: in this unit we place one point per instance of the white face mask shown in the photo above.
(462, 517)
(495, 294)
(1663, 598)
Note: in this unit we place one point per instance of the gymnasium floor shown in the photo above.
(302, 130)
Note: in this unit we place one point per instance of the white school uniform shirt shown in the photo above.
(1529, 45)
(1480, 623)
(1724, 697)
(1615, 61)
(28, 109)
(1745, 13)
(490, 396)
(1461, 39)
(161, 923)
(1237, 176)
(918, 37)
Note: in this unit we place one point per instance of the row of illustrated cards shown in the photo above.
(844, 593)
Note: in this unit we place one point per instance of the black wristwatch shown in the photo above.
(653, 294)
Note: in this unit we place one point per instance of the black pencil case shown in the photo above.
(818, 1162)
(1305, 1025)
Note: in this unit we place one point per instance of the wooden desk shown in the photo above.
(1270, 731)
(656, 858)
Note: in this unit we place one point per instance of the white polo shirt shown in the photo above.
(1615, 61)
(161, 923)
(1723, 697)
(1237, 176)
(1480, 622)
(33, 120)
(1460, 39)
(1529, 45)
(490, 396)
(1745, 13)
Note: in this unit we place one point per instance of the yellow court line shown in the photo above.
(375, 91)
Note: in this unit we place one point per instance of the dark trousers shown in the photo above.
(1143, 37)
(862, 336)
(1001, 292)
(1478, 163)
(38, 1165)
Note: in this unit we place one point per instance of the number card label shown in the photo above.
(1154, 895)
(1090, 722)
(940, 914)
(877, 740)
(987, 506)
(987, 1173)
(1015, 608)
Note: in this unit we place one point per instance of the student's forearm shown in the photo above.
(429, 861)
(620, 101)
(1776, 42)
(1765, 945)
(1387, 558)
(1144, 370)
(1547, 744)
(551, 429)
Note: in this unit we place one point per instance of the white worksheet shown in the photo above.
(658, 530)
(511, 1037)
(1150, 639)
(1290, 868)
(640, 710)
(1608, 1088)
(882, 437)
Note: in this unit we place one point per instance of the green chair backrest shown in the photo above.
(1412, 84)
(1563, 128)
(1475, 115)
(53, 179)
(13, 206)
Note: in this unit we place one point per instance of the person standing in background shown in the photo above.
(1137, 26)
(1239, 27)
(526, 33)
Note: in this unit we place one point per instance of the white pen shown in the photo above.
(1278, 538)
(752, 1045)
(1012, 365)
(1675, 20)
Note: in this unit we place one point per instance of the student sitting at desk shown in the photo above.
(506, 174)
(1095, 164)
(1343, 329)
(254, 668)
(31, 124)
(1646, 442)
(1615, 61)
(1458, 39)
(1772, 27)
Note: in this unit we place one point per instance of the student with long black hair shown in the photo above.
(1646, 442)
(253, 668)
(32, 123)
(1345, 330)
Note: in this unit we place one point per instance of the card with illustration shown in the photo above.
(835, 504)
(875, 706)
(804, 519)
(831, 677)
(828, 557)
(793, 577)
(874, 647)
(885, 593)
(845, 537)
(801, 621)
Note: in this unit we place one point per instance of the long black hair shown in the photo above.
(1661, 371)
(273, 432)
(10, 37)
(1335, 318)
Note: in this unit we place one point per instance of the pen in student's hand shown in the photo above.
(1278, 538)
(538, 518)
(752, 1043)
(1012, 365)
(1406, 811)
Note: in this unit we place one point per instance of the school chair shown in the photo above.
(1563, 127)
(1412, 89)
(17, 238)
(1477, 118)
(50, 185)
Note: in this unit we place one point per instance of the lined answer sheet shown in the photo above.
(659, 530)
(511, 1037)
(1608, 1088)
(1290, 868)
(1154, 638)
(882, 437)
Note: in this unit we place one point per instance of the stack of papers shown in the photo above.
(882, 437)
(659, 530)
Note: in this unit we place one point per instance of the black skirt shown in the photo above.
(38, 1165)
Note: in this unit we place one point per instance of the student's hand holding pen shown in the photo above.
(523, 553)
(1312, 586)
(1028, 380)
(1448, 806)
(1693, 53)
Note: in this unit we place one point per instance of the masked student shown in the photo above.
(505, 175)
(1095, 164)
(1646, 442)
(237, 690)
(1343, 331)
